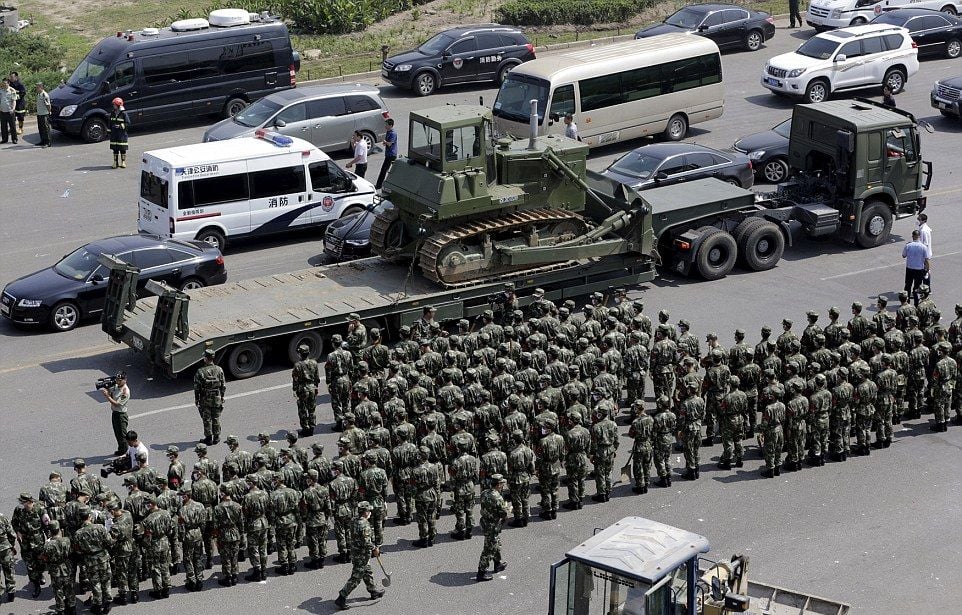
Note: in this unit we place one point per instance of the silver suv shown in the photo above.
(325, 115)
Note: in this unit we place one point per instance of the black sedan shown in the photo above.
(350, 236)
(661, 164)
(768, 151)
(728, 25)
(933, 32)
(76, 287)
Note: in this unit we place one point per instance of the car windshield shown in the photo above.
(636, 164)
(784, 129)
(77, 265)
(686, 18)
(436, 44)
(257, 114)
(514, 98)
(817, 47)
(87, 74)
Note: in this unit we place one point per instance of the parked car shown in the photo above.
(828, 14)
(728, 25)
(325, 115)
(483, 52)
(661, 164)
(947, 97)
(844, 59)
(934, 32)
(75, 287)
(768, 151)
(350, 236)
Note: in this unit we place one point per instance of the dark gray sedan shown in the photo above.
(661, 164)
(768, 151)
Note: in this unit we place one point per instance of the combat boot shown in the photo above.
(253, 575)
(483, 575)
(225, 582)
(420, 543)
(569, 505)
(311, 565)
(689, 474)
(341, 603)
(598, 497)
(116, 160)
(887, 442)
(377, 593)
(637, 489)
(499, 566)
(10, 596)
(768, 473)
(430, 542)
(467, 532)
(724, 465)
(97, 609)
(174, 569)
(739, 463)
(233, 580)
(105, 607)
(778, 470)
(662, 482)
(210, 563)
(165, 593)
(134, 597)
(121, 598)
(457, 535)
(292, 568)
(708, 441)
(154, 593)
(281, 570)
(123, 161)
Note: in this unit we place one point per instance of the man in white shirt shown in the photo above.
(571, 129)
(925, 236)
(128, 461)
(359, 143)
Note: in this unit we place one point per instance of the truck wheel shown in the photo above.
(775, 170)
(895, 79)
(234, 106)
(245, 360)
(816, 92)
(876, 225)
(425, 84)
(716, 256)
(762, 246)
(677, 128)
(948, 9)
(313, 341)
(94, 130)
(212, 237)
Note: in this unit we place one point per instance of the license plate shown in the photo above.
(774, 82)
(5, 310)
(384, 72)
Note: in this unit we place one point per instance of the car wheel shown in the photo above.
(94, 130)
(503, 73)
(716, 255)
(949, 10)
(234, 106)
(754, 40)
(245, 360)
(425, 84)
(734, 182)
(761, 245)
(775, 170)
(192, 284)
(313, 341)
(876, 225)
(64, 316)
(816, 92)
(953, 48)
(677, 127)
(859, 21)
(895, 79)
(212, 237)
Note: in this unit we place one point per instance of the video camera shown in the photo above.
(500, 298)
(109, 381)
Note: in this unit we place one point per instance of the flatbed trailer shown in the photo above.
(240, 321)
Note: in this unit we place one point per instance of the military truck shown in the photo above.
(642, 567)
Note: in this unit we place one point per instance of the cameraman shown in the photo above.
(127, 461)
(118, 395)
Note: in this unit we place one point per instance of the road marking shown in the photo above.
(235, 396)
(870, 269)
(81, 353)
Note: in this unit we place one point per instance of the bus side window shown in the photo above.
(562, 101)
(122, 76)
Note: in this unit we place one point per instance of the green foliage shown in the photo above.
(578, 12)
(35, 57)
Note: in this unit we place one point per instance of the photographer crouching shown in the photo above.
(128, 461)
(117, 393)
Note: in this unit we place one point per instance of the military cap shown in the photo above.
(114, 505)
(360, 387)
(538, 292)
(161, 480)
(663, 314)
(53, 474)
(711, 336)
(363, 505)
(587, 308)
(488, 314)
(53, 526)
(317, 447)
(370, 456)
(209, 353)
(200, 447)
(903, 295)
(173, 450)
(429, 401)
(497, 478)
(84, 511)
(424, 341)
(550, 422)
(224, 489)
(924, 289)
(26, 497)
(811, 314)
(345, 346)
(129, 480)
(843, 372)
(787, 322)
(544, 378)
(739, 333)
(363, 366)
(769, 373)
(684, 323)
(374, 332)
(349, 417)
(612, 320)
(766, 329)
(284, 452)
(79, 463)
(343, 441)
(430, 308)
(83, 490)
(354, 316)
(882, 299)
(199, 467)
(263, 436)
(958, 308)
(517, 314)
(430, 420)
(734, 381)
(336, 338)
(597, 295)
(943, 347)
(856, 305)
(435, 325)
(252, 478)
(425, 451)
(833, 311)
(303, 349)
(405, 329)
(231, 440)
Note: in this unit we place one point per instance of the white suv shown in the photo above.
(827, 14)
(844, 59)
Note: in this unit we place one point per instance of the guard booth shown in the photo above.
(635, 567)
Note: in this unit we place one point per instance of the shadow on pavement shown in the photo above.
(454, 579)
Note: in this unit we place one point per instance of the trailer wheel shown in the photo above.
(762, 246)
(716, 255)
(313, 341)
(245, 360)
(876, 225)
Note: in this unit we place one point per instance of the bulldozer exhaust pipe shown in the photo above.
(533, 123)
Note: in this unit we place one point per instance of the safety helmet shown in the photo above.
(118, 101)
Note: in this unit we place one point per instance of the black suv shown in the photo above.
(484, 52)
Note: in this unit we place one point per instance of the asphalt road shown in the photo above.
(880, 533)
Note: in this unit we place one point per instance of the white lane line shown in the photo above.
(870, 269)
(235, 396)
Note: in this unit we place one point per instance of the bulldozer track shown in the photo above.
(434, 245)
(382, 222)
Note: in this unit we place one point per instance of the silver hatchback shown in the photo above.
(325, 115)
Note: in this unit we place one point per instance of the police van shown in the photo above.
(828, 14)
(226, 190)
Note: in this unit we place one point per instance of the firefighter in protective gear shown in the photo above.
(119, 122)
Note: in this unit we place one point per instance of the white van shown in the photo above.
(221, 191)
(661, 84)
(827, 14)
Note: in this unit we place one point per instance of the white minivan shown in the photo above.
(221, 191)
(828, 14)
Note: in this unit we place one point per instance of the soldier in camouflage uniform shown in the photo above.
(521, 465)
(343, 491)
(494, 510)
(944, 378)
(284, 511)
(866, 393)
(577, 446)
(372, 486)
(840, 416)
(716, 386)
(604, 447)
(796, 413)
(642, 431)
(464, 471)
(176, 472)
(204, 490)
(305, 379)
(159, 530)
(169, 501)
(92, 541)
(663, 437)
(636, 360)
(53, 496)
(8, 550)
(773, 415)
(55, 555)
(424, 482)
(337, 374)
(356, 335)
(663, 360)
(690, 415)
(28, 524)
(228, 521)
(192, 520)
(256, 507)
(919, 357)
(549, 455)
(819, 421)
(404, 457)
(362, 550)
(731, 424)
(887, 382)
(315, 511)
(123, 564)
(209, 389)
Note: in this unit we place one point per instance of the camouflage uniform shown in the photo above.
(404, 457)
(209, 389)
(126, 576)
(840, 417)
(866, 392)
(773, 415)
(362, 547)
(256, 506)
(337, 371)
(424, 480)
(691, 413)
(642, 430)
(192, 519)
(7, 541)
(305, 380)
(343, 491)
(372, 486)
(662, 360)
(604, 446)
(577, 445)
(887, 382)
(520, 468)
(315, 510)
(945, 375)
(55, 555)
(158, 532)
(464, 474)
(92, 541)
(796, 411)
(229, 521)
(663, 436)
(731, 424)
(820, 407)
(284, 508)
(550, 453)
(919, 357)
(28, 524)
(494, 510)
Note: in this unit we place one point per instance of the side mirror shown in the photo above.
(661, 176)
(280, 123)
(446, 54)
(97, 278)
(841, 57)
(554, 117)
(105, 87)
(702, 28)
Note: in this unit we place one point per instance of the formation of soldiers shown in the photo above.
(523, 396)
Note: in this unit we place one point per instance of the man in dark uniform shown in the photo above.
(119, 121)
(209, 389)
(306, 378)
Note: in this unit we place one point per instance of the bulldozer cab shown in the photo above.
(635, 567)
(451, 138)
